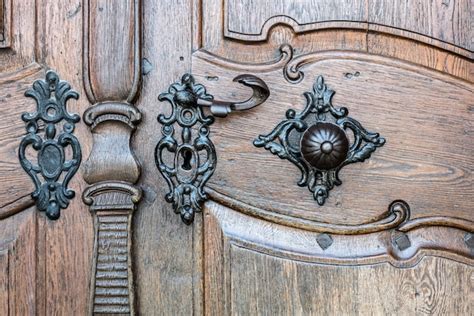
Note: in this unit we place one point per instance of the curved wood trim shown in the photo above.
(295, 26)
(385, 258)
(286, 54)
(292, 64)
(21, 73)
(298, 28)
(16, 206)
(397, 217)
(398, 212)
(420, 38)
(293, 73)
(375, 247)
(454, 222)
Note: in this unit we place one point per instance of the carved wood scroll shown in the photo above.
(111, 79)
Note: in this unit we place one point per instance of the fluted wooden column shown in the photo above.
(112, 80)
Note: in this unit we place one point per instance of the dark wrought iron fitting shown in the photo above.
(187, 162)
(223, 108)
(316, 141)
(50, 133)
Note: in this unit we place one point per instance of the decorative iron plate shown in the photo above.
(52, 170)
(316, 141)
(194, 158)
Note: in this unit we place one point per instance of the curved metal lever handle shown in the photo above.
(223, 108)
(194, 155)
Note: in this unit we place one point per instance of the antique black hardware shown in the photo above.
(51, 191)
(194, 158)
(401, 241)
(315, 140)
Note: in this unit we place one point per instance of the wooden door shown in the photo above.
(377, 220)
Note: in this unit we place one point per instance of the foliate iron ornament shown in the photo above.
(53, 169)
(316, 141)
(194, 157)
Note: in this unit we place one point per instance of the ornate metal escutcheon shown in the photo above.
(316, 141)
(53, 170)
(194, 157)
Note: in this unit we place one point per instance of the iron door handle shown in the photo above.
(188, 171)
(322, 146)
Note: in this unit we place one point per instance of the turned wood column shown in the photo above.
(112, 80)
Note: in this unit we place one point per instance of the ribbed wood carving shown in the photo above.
(112, 78)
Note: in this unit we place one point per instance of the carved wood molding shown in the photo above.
(293, 70)
(285, 56)
(293, 64)
(112, 205)
(324, 245)
(396, 217)
(112, 81)
(252, 21)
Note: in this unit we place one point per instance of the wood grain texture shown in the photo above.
(254, 267)
(19, 48)
(5, 23)
(66, 245)
(413, 44)
(6, 8)
(265, 284)
(18, 264)
(112, 80)
(18, 69)
(406, 104)
(18, 184)
(421, 54)
(229, 262)
(112, 63)
(251, 20)
(446, 21)
(439, 23)
(167, 269)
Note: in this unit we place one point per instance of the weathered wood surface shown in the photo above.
(426, 162)
(402, 68)
(163, 244)
(253, 267)
(112, 82)
(441, 23)
(43, 35)
(432, 34)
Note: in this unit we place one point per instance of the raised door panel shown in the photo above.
(396, 237)
(18, 268)
(251, 31)
(18, 69)
(425, 160)
(48, 261)
(252, 266)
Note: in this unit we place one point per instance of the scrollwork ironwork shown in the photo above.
(315, 140)
(53, 171)
(195, 158)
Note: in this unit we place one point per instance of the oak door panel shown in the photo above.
(424, 116)
(252, 266)
(403, 70)
(433, 34)
(18, 267)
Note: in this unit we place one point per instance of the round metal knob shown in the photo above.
(324, 146)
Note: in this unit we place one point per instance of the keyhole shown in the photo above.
(187, 156)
